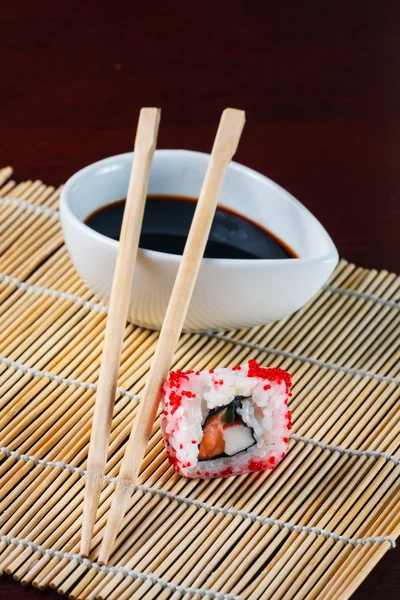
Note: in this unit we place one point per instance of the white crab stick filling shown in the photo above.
(237, 438)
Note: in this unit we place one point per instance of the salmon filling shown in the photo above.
(224, 433)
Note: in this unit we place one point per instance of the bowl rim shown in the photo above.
(330, 256)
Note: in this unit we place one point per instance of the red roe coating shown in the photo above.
(262, 465)
(226, 472)
(288, 417)
(218, 382)
(272, 374)
(257, 465)
(175, 463)
(175, 400)
(176, 377)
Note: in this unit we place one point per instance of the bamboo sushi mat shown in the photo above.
(312, 528)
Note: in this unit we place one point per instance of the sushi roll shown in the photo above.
(226, 422)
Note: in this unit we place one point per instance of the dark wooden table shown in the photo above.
(319, 82)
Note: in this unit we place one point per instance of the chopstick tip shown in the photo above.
(236, 113)
(229, 131)
(147, 129)
(149, 111)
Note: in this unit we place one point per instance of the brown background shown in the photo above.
(320, 83)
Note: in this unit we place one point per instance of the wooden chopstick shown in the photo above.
(145, 142)
(226, 141)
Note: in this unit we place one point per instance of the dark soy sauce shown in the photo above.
(167, 221)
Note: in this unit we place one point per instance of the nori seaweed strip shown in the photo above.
(236, 403)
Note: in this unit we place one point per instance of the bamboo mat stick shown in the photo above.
(145, 143)
(67, 418)
(233, 533)
(226, 141)
(234, 565)
(5, 173)
(320, 394)
(14, 300)
(270, 549)
(36, 194)
(188, 519)
(354, 567)
(356, 473)
(7, 188)
(324, 551)
(15, 226)
(144, 499)
(296, 544)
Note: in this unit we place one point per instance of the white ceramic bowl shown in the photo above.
(229, 293)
